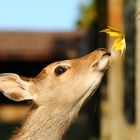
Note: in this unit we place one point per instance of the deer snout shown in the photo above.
(105, 51)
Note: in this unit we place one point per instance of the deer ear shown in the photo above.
(16, 88)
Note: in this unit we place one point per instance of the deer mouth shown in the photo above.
(104, 62)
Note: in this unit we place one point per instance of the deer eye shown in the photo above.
(59, 70)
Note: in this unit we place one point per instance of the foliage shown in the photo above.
(88, 13)
(119, 44)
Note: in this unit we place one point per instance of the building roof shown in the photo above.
(30, 45)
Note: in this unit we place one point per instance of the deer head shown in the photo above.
(65, 83)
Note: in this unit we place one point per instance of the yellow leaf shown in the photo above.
(119, 44)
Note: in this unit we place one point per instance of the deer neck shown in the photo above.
(46, 123)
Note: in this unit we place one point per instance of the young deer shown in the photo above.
(58, 91)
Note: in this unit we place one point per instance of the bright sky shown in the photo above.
(38, 14)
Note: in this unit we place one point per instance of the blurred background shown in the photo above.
(36, 33)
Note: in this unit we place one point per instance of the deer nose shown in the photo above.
(107, 52)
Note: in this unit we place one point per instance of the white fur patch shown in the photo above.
(103, 63)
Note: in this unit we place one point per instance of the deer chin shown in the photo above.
(88, 93)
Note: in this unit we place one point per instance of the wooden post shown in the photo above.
(138, 73)
(113, 125)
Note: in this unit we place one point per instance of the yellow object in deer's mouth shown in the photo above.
(119, 44)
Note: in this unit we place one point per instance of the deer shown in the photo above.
(59, 91)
